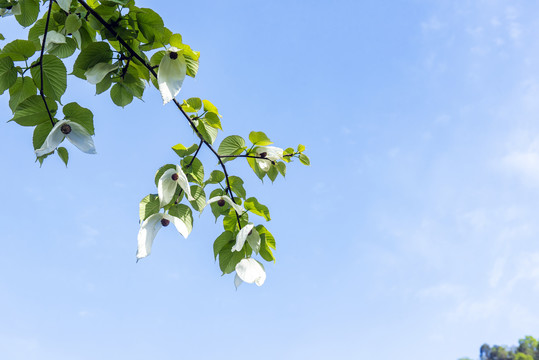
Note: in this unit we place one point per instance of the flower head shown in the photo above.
(150, 227)
(166, 187)
(249, 271)
(250, 234)
(221, 200)
(73, 131)
(172, 71)
(271, 153)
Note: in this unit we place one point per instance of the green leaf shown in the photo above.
(187, 108)
(40, 134)
(32, 111)
(80, 115)
(175, 40)
(192, 66)
(148, 206)
(121, 95)
(270, 240)
(8, 74)
(29, 12)
(208, 133)
(104, 85)
(72, 24)
(213, 120)
(150, 24)
(236, 185)
(19, 50)
(265, 249)
(195, 172)
(259, 138)
(2, 37)
(281, 166)
(63, 154)
(255, 207)
(304, 159)
(54, 76)
(231, 145)
(91, 55)
(200, 197)
(208, 106)
(216, 177)
(22, 89)
(301, 148)
(230, 221)
(155, 60)
(256, 168)
(228, 259)
(133, 83)
(184, 213)
(162, 170)
(182, 151)
(195, 103)
(221, 241)
(65, 50)
(215, 208)
(273, 173)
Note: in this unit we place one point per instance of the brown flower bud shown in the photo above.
(250, 232)
(221, 202)
(263, 154)
(173, 55)
(174, 177)
(65, 129)
(165, 222)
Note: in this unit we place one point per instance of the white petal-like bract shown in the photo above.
(95, 74)
(53, 39)
(64, 4)
(273, 153)
(242, 236)
(171, 74)
(81, 138)
(179, 224)
(236, 207)
(146, 234)
(152, 225)
(250, 271)
(52, 141)
(166, 186)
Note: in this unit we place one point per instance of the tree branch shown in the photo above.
(178, 105)
(41, 62)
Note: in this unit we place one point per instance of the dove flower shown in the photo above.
(268, 152)
(221, 200)
(166, 187)
(172, 71)
(150, 227)
(247, 233)
(73, 131)
(249, 271)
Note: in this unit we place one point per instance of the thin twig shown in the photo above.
(41, 63)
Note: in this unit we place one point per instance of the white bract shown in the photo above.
(53, 40)
(250, 234)
(166, 187)
(249, 271)
(171, 73)
(64, 4)
(150, 227)
(74, 132)
(228, 200)
(272, 153)
(95, 74)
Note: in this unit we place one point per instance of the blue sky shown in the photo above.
(413, 234)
